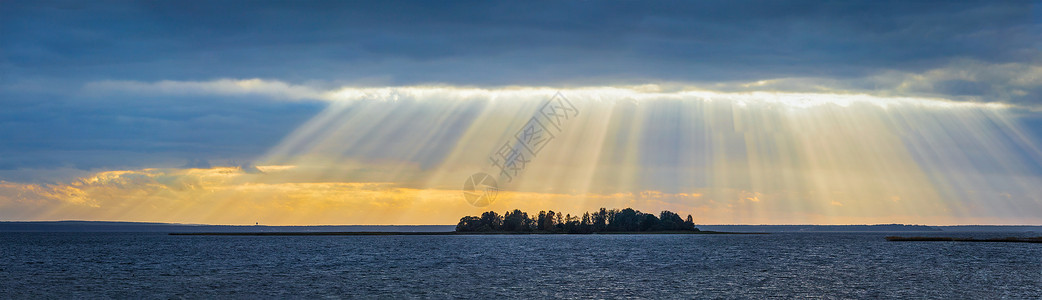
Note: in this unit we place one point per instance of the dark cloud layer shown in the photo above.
(479, 42)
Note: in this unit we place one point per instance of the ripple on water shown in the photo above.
(831, 265)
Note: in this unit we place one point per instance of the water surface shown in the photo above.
(785, 265)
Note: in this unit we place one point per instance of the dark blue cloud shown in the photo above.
(506, 42)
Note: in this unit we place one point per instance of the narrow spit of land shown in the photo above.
(955, 239)
(438, 233)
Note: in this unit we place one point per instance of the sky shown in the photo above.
(378, 112)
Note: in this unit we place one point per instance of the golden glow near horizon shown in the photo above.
(400, 155)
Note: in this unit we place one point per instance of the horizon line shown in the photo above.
(319, 225)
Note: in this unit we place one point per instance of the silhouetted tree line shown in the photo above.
(603, 220)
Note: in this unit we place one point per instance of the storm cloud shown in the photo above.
(507, 43)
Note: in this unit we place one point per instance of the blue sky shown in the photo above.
(114, 85)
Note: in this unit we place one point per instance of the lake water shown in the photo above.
(784, 265)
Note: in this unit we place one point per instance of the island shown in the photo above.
(604, 220)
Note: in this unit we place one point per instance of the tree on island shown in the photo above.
(603, 220)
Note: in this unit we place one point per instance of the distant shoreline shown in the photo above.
(956, 239)
(366, 233)
(164, 228)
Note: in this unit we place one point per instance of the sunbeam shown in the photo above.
(738, 157)
(402, 154)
